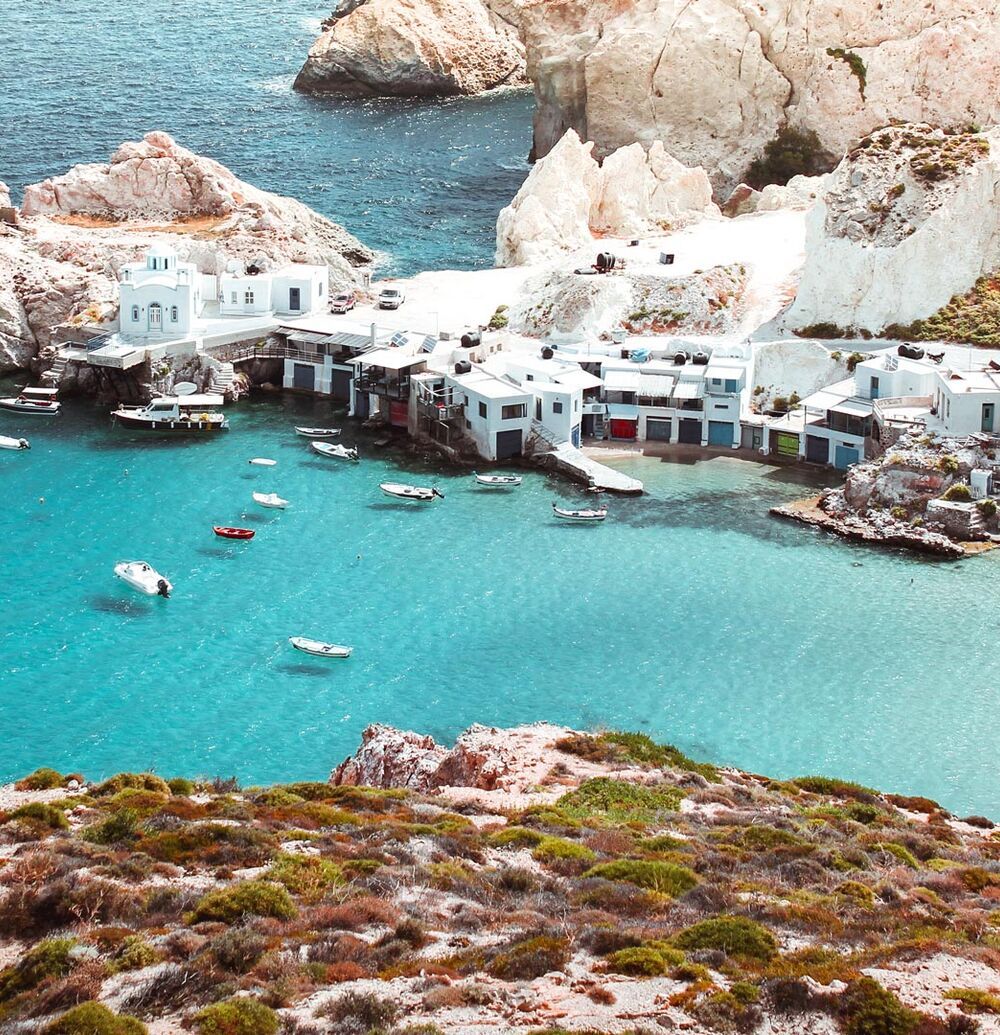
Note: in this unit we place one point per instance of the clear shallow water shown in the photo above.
(690, 614)
(422, 182)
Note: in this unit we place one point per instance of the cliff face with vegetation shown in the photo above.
(526, 880)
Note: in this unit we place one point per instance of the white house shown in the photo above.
(965, 402)
(497, 413)
(161, 296)
(294, 290)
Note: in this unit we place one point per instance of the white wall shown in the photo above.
(233, 292)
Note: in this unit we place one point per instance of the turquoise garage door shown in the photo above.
(845, 456)
(720, 433)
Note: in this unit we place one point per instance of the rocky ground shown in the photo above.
(59, 260)
(526, 880)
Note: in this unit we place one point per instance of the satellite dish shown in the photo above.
(185, 388)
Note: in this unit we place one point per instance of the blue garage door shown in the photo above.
(720, 433)
(845, 456)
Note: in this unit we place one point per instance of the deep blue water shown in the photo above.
(689, 614)
(422, 182)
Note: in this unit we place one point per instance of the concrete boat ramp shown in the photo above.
(576, 464)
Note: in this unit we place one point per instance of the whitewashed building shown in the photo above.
(161, 295)
(295, 290)
(497, 413)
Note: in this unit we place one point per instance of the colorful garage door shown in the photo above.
(787, 445)
(845, 456)
(658, 430)
(720, 433)
(689, 431)
(621, 428)
(397, 414)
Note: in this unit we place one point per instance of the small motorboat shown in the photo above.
(189, 414)
(261, 461)
(596, 514)
(319, 649)
(270, 499)
(14, 443)
(317, 432)
(38, 401)
(233, 533)
(498, 481)
(410, 492)
(336, 452)
(146, 579)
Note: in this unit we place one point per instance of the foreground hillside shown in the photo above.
(527, 880)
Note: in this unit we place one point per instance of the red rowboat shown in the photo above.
(234, 533)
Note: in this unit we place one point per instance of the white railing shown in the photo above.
(883, 408)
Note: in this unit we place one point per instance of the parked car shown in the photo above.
(391, 298)
(343, 302)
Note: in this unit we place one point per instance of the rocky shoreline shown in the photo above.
(523, 880)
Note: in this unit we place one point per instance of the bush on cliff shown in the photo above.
(616, 801)
(95, 1019)
(41, 780)
(527, 960)
(733, 935)
(239, 1016)
(793, 152)
(869, 1009)
(306, 875)
(133, 781)
(248, 898)
(650, 960)
(48, 959)
(48, 815)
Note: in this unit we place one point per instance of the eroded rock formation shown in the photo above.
(910, 218)
(422, 48)
(568, 198)
(60, 264)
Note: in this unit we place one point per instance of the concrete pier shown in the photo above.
(577, 465)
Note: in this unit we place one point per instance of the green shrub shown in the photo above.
(96, 1019)
(519, 836)
(41, 780)
(975, 1000)
(870, 1009)
(779, 404)
(733, 935)
(948, 464)
(48, 959)
(499, 319)
(793, 152)
(650, 960)
(619, 802)
(50, 815)
(527, 960)
(247, 898)
(663, 877)
(134, 781)
(725, 1012)
(553, 849)
(362, 1011)
(960, 492)
(305, 875)
(239, 1016)
(120, 827)
(834, 788)
(823, 330)
(134, 953)
(181, 787)
(987, 508)
(637, 747)
(855, 64)
(904, 855)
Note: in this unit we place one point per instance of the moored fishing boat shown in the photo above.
(595, 514)
(225, 532)
(417, 493)
(497, 481)
(335, 452)
(317, 432)
(189, 414)
(318, 649)
(14, 443)
(262, 461)
(143, 577)
(36, 401)
(270, 499)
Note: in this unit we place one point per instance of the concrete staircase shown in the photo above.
(54, 374)
(223, 375)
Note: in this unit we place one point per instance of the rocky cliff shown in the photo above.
(717, 79)
(59, 263)
(910, 218)
(422, 48)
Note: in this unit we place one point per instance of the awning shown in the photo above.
(724, 373)
(391, 359)
(689, 390)
(622, 380)
(854, 408)
(579, 379)
(655, 386)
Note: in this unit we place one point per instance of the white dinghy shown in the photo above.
(497, 481)
(14, 443)
(318, 649)
(270, 499)
(317, 432)
(262, 461)
(143, 577)
(596, 514)
(335, 452)
(417, 493)
(41, 401)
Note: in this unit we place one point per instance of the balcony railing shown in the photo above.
(591, 406)
(441, 411)
(398, 389)
(888, 410)
(239, 351)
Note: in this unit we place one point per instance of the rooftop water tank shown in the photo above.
(471, 339)
(463, 366)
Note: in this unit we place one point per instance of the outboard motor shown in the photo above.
(162, 588)
(25, 444)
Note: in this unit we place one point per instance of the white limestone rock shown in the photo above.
(782, 368)
(717, 79)
(4, 195)
(908, 220)
(568, 198)
(422, 48)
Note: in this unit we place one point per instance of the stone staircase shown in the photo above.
(54, 374)
(222, 378)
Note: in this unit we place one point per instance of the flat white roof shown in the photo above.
(577, 378)
(726, 373)
(191, 400)
(489, 387)
(621, 380)
(391, 359)
(689, 390)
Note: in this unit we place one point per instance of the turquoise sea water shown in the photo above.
(422, 182)
(690, 614)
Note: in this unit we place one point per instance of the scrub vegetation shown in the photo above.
(713, 898)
